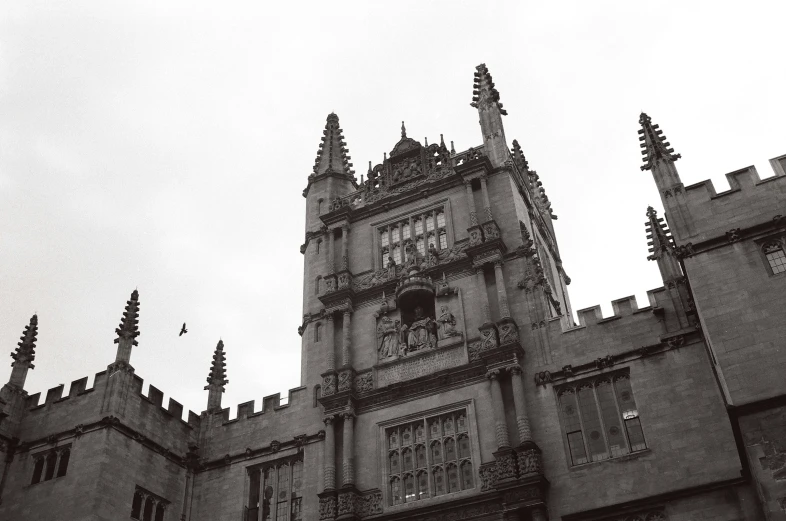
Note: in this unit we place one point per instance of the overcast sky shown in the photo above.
(164, 146)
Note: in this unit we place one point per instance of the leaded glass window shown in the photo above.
(429, 457)
(600, 419)
(776, 258)
(276, 491)
(422, 229)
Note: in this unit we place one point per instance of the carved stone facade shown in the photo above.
(461, 341)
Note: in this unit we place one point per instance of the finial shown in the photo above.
(403, 131)
(661, 241)
(384, 156)
(484, 95)
(129, 323)
(218, 372)
(369, 167)
(452, 148)
(425, 140)
(656, 148)
(333, 156)
(25, 351)
(441, 141)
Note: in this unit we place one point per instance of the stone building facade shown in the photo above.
(443, 375)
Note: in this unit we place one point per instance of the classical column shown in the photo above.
(502, 293)
(329, 341)
(331, 267)
(486, 202)
(539, 514)
(473, 214)
(349, 449)
(522, 420)
(330, 453)
(480, 284)
(500, 425)
(345, 247)
(345, 348)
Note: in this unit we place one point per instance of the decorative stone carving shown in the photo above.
(506, 465)
(368, 504)
(605, 362)
(420, 364)
(346, 503)
(733, 235)
(422, 333)
(330, 284)
(475, 236)
(345, 380)
(344, 280)
(328, 384)
(508, 332)
(447, 323)
(388, 339)
(567, 370)
(364, 382)
(676, 342)
(327, 508)
(488, 338)
(491, 230)
(474, 350)
(275, 445)
(530, 462)
(685, 250)
(488, 476)
(542, 378)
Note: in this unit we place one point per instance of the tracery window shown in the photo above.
(146, 506)
(773, 251)
(50, 464)
(429, 457)
(422, 229)
(600, 419)
(276, 491)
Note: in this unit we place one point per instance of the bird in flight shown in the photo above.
(183, 330)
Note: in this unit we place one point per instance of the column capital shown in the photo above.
(329, 419)
(347, 311)
(348, 415)
(493, 374)
(345, 227)
(499, 263)
(514, 369)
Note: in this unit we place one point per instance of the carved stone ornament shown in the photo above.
(530, 462)
(542, 378)
(605, 362)
(368, 504)
(447, 324)
(328, 385)
(345, 380)
(364, 382)
(475, 236)
(474, 350)
(676, 342)
(346, 503)
(488, 476)
(327, 508)
(275, 445)
(685, 250)
(488, 338)
(506, 466)
(330, 284)
(344, 280)
(568, 370)
(508, 332)
(733, 235)
(491, 230)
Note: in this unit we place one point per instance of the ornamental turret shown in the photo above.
(128, 329)
(24, 355)
(217, 378)
(662, 247)
(485, 98)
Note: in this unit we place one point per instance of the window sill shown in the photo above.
(431, 501)
(619, 459)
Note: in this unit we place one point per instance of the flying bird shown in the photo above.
(183, 330)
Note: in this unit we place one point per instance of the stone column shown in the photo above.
(539, 514)
(349, 449)
(345, 348)
(330, 265)
(500, 425)
(522, 420)
(473, 214)
(486, 202)
(330, 453)
(345, 247)
(329, 341)
(502, 293)
(480, 284)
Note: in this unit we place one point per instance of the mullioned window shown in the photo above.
(50, 464)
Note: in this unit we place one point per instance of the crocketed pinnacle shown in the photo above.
(25, 351)
(129, 324)
(333, 156)
(656, 148)
(660, 241)
(484, 95)
(218, 369)
(518, 157)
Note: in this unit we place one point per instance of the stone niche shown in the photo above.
(422, 333)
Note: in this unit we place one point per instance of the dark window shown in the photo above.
(62, 468)
(146, 506)
(317, 394)
(773, 251)
(276, 491)
(51, 462)
(38, 470)
(160, 512)
(149, 505)
(136, 505)
(317, 332)
(600, 419)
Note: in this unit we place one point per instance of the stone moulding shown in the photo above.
(420, 364)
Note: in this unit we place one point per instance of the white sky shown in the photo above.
(165, 147)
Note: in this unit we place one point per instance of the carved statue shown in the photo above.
(433, 255)
(387, 335)
(448, 322)
(391, 267)
(414, 258)
(422, 332)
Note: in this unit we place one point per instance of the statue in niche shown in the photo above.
(387, 335)
(403, 339)
(422, 332)
(448, 323)
(391, 267)
(414, 258)
(433, 255)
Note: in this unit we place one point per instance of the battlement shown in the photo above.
(748, 199)
(623, 307)
(296, 398)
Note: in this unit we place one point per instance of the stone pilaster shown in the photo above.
(500, 425)
(330, 453)
(349, 449)
(522, 420)
(502, 293)
(346, 347)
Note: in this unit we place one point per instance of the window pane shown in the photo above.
(397, 254)
(51, 461)
(268, 494)
(38, 470)
(429, 222)
(625, 398)
(409, 488)
(443, 240)
(462, 423)
(436, 452)
(576, 445)
(406, 436)
(466, 475)
(420, 456)
(406, 455)
(420, 433)
(283, 482)
(393, 439)
(421, 246)
(463, 446)
(297, 479)
(281, 511)
(423, 485)
(589, 414)
(136, 506)
(297, 510)
(405, 230)
(448, 425)
(148, 515)
(450, 450)
(383, 235)
(418, 227)
(434, 429)
(453, 478)
(439, 481)
(394, 468)
(777, 260)
(394, 235)
(441, 219)
(432, 240)
(160, 512)
(635, 434)
(395, 491)
(611, 419)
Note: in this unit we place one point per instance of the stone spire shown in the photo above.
(333, 156)
(662, 246)
(128, 329)
(217, 378)
(24, 355)
(485, 98)
(656, 148)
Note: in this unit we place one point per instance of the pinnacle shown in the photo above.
(218, 371)
(484, 94)
(333, 156)
(518, 156)
(656, 148)
(129, 324)
(659, 235)
(25, 351)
